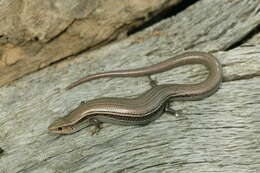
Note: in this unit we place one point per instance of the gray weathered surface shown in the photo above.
(218, 134)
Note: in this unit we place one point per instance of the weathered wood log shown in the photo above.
(217, 134)
(34, 34)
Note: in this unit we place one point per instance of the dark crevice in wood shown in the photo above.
(156, 165)
(214, 128)
(244, 77)
(61, 32)
(244, 39)
(1, 150)
(195, 162)
(171, 11)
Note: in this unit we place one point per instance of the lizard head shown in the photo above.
(71, 123)
(60, 127)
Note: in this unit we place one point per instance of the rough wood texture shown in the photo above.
(218, 134)
(35, 33)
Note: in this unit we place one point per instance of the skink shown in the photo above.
(149, 105)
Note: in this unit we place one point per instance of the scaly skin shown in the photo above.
(149, 105)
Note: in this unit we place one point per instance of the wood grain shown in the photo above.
(218, 134)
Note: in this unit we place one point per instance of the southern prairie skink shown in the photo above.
(149, 105)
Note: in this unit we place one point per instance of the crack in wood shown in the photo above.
(156, 165)
(213, 128)
(1, 150)
(244, 77)
(244, 39)
(166, 13)
(62, 32)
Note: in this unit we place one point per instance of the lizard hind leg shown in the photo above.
(152, 83)
(97, 126)
(171, 111)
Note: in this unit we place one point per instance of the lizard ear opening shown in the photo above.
(59, 128)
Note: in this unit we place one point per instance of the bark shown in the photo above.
(35, 33)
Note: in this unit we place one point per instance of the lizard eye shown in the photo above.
(59, 128)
